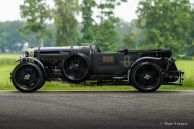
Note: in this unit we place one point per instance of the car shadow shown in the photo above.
(99, 91)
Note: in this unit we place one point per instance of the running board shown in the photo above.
(119, 78)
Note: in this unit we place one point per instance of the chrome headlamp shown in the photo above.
(29, 52)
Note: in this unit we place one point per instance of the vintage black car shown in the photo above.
(146, 70)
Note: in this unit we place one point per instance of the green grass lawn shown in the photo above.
(7, 65)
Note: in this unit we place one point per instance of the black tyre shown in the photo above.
(146, 77)
(75, 68)
(28, 77)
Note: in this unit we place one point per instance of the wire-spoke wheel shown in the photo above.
(75, 68)
(146, 77)
(28, 77)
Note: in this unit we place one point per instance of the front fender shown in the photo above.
(31, 59)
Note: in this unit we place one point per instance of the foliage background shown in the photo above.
(160, 24)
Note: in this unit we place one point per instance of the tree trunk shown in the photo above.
(42, 42)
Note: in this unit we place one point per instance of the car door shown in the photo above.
(108, 64)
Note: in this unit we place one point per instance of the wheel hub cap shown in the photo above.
(27, 77)
(147, 77)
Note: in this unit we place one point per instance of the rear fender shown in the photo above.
(153, 60)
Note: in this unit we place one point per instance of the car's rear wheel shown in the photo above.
(75, 68)
(146, 77)
(28, 77)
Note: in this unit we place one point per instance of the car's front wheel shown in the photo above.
(146, 77)
(28, 77)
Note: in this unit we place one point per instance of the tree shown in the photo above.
(88, 21)
(12, 40)
(166, 24)
(107, 8)
(105, 31)
(190, 40)
(132, 38)
(36, 14)
(65, 21)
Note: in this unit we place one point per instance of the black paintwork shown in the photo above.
(118, 67)
(67, 64)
